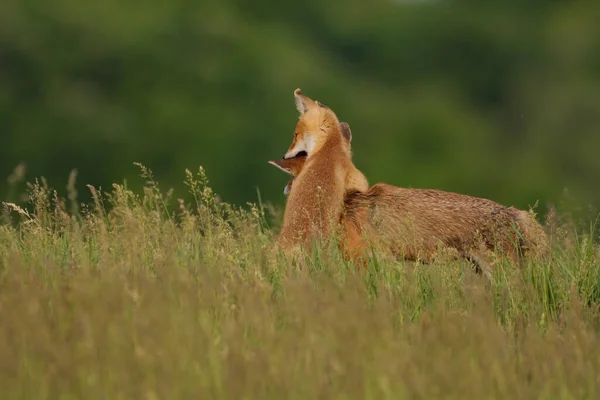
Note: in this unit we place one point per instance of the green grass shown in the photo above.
(125, 299)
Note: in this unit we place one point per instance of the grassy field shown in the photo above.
(124, 299)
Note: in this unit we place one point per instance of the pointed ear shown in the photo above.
(282, 165)
(346, 131)
(303, 103)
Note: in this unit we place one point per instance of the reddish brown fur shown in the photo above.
(412, 223)
(292, 166)
(355, 180)
(316, 199)
(415, 223)
(353, 241)
(315, 204)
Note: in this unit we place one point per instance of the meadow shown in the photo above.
(141, 295)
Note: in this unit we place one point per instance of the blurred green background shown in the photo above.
(500, 100)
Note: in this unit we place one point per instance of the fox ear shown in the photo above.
(281, 164)
(303, 103)
(346, 131)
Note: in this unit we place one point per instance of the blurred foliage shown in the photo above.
(500, 100)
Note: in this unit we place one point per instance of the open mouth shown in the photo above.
(302, 153)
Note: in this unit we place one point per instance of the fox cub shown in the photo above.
(315, 204)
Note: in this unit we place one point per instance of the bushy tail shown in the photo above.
(535, 243)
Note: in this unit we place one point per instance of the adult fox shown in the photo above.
(315, 205)
(416, 223)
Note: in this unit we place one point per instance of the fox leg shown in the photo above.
(356, 247)
(354, 244)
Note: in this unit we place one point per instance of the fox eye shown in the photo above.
(295, 134)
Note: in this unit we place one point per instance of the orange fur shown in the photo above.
(316, 202)
(355, 179)
(416, 223)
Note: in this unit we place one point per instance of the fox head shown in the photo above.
(317, 124)
(294, 165)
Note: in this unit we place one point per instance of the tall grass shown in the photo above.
(127, 298)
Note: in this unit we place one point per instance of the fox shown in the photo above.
(414, 224)
(316, 200)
